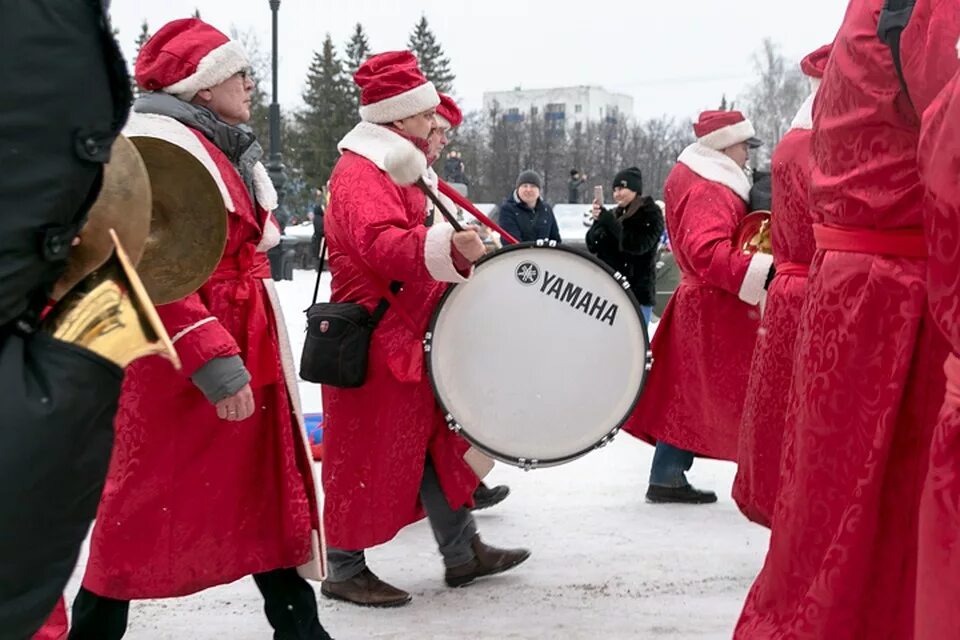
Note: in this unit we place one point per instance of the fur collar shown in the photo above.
(716, 167)
(373, 142)
(804, 117)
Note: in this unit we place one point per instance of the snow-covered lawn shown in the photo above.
(605, 564)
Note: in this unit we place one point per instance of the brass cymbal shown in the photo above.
(124, 204)
(188, 227)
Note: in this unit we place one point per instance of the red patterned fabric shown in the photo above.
(376, 438)
(55, 628)
(702, 348)
(938, 574)
(192, 501)
(868, 380)
(761, 433)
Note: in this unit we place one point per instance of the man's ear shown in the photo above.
(399, 125)
(204, 95)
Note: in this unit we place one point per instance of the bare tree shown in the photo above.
(773, 100)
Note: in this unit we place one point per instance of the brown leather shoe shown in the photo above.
(366, 590)
(487, 561)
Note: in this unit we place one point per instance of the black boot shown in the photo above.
(679, 495)
(290, 605)
(485, 497)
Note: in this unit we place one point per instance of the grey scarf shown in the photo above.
(238, 143)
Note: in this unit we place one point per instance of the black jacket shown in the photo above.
(627, 241)
(526, 224)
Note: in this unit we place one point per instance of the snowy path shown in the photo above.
(604, 565)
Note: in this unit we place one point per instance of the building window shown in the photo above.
(578, 108)
(513, 115)
(555, 112)
(533, 111)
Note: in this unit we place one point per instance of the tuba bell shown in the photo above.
(753, 233)
(140, 218)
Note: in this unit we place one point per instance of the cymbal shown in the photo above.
(188, 226)
(124, 205)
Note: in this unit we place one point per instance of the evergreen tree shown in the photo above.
(358, 50)
(434, 64)
(196, 14)
(327, 116)
(140, 41)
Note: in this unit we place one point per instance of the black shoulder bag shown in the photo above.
(338, 337)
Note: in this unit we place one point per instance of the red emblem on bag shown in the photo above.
(324, 325)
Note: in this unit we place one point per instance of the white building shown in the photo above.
(570, 106)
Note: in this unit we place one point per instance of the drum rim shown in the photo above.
(450, 417)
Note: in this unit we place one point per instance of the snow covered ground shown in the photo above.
(605, 564)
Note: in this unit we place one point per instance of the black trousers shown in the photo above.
(289, 602)
(57, 404)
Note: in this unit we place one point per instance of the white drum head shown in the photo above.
(540, 357)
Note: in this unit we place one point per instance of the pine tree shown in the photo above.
(140, 41)
(434, 64)
(327, 116)
(358, 50)
(196, 14)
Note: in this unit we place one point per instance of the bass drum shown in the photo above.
(540, 357)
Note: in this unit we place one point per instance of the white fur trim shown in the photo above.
(751, 289)
(263, 188)
(315, 568)
(716, 167)
(270, 236)
(442, 122)
(151, 125)
(436, 253)
(374, 142)
(195, 325)
(804, 117)
(403, 105)
(214, 68)
(728, 136)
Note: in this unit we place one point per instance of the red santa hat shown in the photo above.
(721, 129)
(392, 87)
(814, 64)
(188, 55)
(449, 115)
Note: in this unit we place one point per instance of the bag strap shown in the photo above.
(381, 307)
(323, 255)
(894, 18)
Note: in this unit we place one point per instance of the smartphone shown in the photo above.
(598, 193)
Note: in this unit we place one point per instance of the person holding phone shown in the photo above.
(627, 237)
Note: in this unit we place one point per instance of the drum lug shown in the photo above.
(649, 364)
(528, 465)
(452, 423)
(427, 341)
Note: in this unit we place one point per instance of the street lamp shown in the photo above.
(275, 168)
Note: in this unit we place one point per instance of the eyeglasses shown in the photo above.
(245, 73)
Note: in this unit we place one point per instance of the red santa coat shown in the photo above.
(701, 351)
(868, 378)
(761, 433)
(377, 437)
(55, 628)
(938, 572)
(192, 501)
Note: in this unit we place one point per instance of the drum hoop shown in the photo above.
(450, 417)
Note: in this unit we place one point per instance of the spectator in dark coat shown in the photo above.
(627, 238)
(574, 186)
(318, 211)
(525, 215)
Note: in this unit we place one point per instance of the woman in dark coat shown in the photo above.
(627, 238)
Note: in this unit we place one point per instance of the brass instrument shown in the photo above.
(158, 207)
(753, 233)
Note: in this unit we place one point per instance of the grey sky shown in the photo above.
(676, 56)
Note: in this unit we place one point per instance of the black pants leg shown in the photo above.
(290, 605)
(98, 618)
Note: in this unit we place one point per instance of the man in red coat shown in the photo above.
(938, 571)
(211, 478)
(761, 434)
(692, 401)
(389, 456)
(868, 380)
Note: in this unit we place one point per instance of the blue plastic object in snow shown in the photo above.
(314, 425)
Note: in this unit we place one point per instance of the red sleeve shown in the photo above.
(928, 49)
(705, 237)
(197, 335)
(382, 234)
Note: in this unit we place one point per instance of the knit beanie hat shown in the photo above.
(529, 176)
(629, 178)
